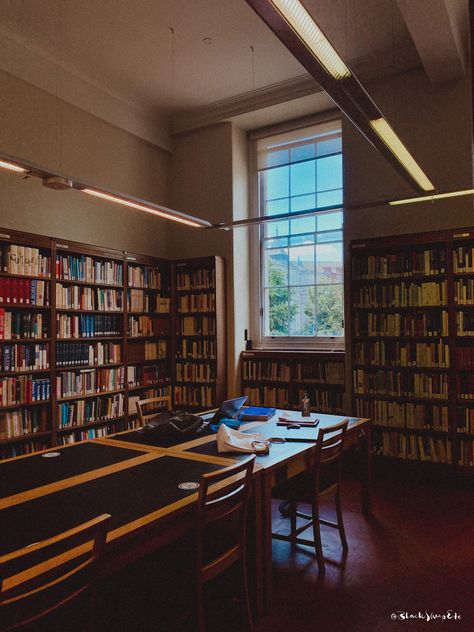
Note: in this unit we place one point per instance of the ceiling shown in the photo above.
(125, 52)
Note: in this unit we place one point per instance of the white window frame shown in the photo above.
(259, 340)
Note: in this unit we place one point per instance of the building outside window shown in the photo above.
(300, 270)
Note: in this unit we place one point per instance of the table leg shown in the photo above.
(267, 541)
(366, 474)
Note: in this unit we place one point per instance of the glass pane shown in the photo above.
(275, 207)
(334, 235)
(276, 312)
(329, 267)
(329, 310)
(330, 198)
(280, 242)
(304, 152)
(276, 229)
(303, 203)
(303, 178)
(329, 221)
(331, 146)
(278, 182)
(301, 240)
(301, 265)
(302, 311)
(303, 225)
(277, 157)
(329, 173)
(276, 268)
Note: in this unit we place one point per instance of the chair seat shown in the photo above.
(299, 488)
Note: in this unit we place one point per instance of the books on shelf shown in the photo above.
(421, 324)
(23, 389)
(395, 414)
(465, 323)
(33, 292)
(24, 357)
(22, 421)
(197, 326)
(196, 349)
(414, 447)
(203, 279)
(401, 384)
(197, 303)
(405, 263)
(85, 411)
(87, 325)
(141, 301)
(88, 298)
(144, 351)
(403, 354)
(267, 396)
(25, 260)
(144, 277)
(89, 381)
(265, 370)
(433, 293)
(195, 372)
(87, 354)
(146, 375)
(88, 269)
(18, 325)
(143, 326)
(194, 396)
(463, 259)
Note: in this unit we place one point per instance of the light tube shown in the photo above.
(311, 35)
(182, 219)
(12, 167)
(429, 198)
(401, 153)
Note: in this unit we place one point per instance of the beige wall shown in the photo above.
(64, 138)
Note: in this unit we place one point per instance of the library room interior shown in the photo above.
(236, 315)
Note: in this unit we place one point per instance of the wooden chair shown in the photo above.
(221, 529)
(158, 404)
(41, 578)
(322, 480)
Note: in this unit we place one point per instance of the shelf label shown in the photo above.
(5, 236)
(461, 235)
(62, 246)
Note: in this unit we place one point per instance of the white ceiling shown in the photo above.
(124, 51)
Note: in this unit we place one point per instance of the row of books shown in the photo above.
(87, 354)
(144, 277)
(463, 259)
(197, 349)
(23, 389)
(21, 449)
(409, 354)
(320, 372)
(465, 385)
(464, 292)
(202, 396)
(100, 299)
(147, 326)
(192, 372)
(16, 325)
(197, 280)
(267, 396)
(16, 259)
(402, 295)
(465, 419)
(88, 434)
(197, 326)
(405, 263)
(404, 414)
(465, 323)
(414, 447)
(146, 375)
(322, 400)
(88, 269)
(15, 423)
(401, 384)
(140, 301)
(144, 351)
(197, 303)
(465, 357)
(265, 370)
(87, 325)
(86, 411)
(24, 357)
(89, 381)
(466, 453)
(24, 291)
(420, 324)
(149, 393)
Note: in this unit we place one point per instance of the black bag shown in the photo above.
(168, 426)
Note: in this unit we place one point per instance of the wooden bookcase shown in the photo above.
(107, 333)
(411, 361)
(280, 378)
(200, 358)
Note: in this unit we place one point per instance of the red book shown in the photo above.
(7, 289)
(2, 323)
(26, 291)
(14, 291)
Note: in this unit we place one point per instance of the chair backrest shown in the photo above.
(221, 518)
(328, 454)
(42, 577)
(148, 408)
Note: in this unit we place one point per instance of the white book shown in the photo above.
(13, 259)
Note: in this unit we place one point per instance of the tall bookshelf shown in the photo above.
(411, 345)
(26, 351)
(280, 379)
(200, 358)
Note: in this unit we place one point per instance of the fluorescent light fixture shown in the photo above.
(166, 213)
(401, 153)
(312, 36)
(10, 166)
(429, 198)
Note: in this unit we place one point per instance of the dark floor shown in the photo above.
(415, 555)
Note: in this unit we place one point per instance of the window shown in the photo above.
(300, 286)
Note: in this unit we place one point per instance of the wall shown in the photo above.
(61, 137)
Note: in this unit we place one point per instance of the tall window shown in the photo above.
(301, 259)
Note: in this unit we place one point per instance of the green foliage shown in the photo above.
(280, 314)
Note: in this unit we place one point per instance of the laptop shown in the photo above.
(229, 409)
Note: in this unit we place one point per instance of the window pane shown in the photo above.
(304, 152)
(329, 310)
(329, 265)
(301, 240)
(277, 312)
(303, 203)
(329, 221)
(275, 207)
(329, 173)
(301, 265)
(334, 235)
(277, 157)
(331, 146)
(303, 225)
(303, 178)
(302, 310)
(276, 229)
(280, 242)
(330, 198)
(277, 183)
(276, 268)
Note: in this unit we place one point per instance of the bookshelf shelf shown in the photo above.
(25, 372)
(10, 275)
(112, 286)
(90, 395)
(42, 402)
(23, 306)
(25, 437)
(90, 424)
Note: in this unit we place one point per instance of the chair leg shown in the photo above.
(317, 538)
(245, 588)
(293, 523)
(340, 522)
